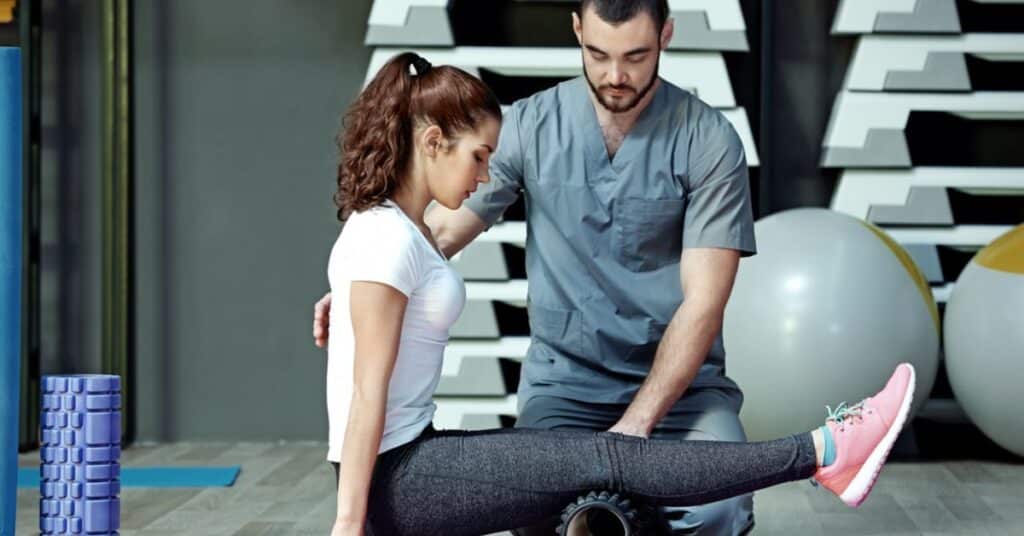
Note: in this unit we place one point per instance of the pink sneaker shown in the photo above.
(863, 435)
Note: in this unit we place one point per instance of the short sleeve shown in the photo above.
(718, 206)
(506, 172)
(384, 251)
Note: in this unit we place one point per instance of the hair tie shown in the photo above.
(420, 65)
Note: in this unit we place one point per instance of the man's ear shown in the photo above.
(666, 32)
(577, 27)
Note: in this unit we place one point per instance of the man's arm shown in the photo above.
(453, 229)
(707, 276)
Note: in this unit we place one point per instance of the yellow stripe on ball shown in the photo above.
(1006, 253)
(915, 273)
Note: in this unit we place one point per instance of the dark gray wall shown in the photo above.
(802, 70)
(237, 106)
(70, 189)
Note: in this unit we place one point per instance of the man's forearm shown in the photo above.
(683, 348)
(453, 229)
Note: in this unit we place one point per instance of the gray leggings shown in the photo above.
(457, 482)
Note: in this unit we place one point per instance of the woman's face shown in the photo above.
(462, 164)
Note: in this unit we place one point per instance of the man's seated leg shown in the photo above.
(701, 415)
(731, 516)
(708, 414)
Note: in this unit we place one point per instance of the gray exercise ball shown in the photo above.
(984, 336)
(821, 315)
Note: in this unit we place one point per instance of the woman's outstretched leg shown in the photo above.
(480, 482)
(845, 456)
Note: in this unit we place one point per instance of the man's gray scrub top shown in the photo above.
(604, 236)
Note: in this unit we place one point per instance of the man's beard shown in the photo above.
(614, 107)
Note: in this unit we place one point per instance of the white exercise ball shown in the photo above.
(822, 315)
(984, 336)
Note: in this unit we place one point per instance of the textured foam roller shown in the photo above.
(80, 471)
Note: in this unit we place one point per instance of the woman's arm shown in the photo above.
(377, 313)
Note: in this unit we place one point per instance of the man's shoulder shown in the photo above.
(692, 113)
(553, 100)
(694, 122)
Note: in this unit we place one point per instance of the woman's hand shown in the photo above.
(321, 320)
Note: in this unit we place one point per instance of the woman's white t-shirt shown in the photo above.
(383, 245)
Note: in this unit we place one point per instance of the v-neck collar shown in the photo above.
(429, 243)
(598, 151)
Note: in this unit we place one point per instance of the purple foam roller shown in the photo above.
(81, 447)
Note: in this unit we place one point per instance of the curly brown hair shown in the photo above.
(376, 140)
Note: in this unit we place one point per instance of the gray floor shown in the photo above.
(287, 489)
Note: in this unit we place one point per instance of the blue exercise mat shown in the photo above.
(156, 477)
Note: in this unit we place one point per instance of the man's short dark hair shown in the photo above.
(619, 11)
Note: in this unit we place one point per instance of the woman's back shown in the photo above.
(382, 245)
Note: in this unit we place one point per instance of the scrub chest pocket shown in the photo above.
(648, 233)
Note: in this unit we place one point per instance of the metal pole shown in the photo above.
(30, 23)
(118, 191)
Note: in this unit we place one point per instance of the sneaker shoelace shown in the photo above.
(844, 414)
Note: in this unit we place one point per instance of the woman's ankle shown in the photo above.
(819, 445)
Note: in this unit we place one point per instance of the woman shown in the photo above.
(419, 134)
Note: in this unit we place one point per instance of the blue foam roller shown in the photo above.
(10, 280)
(80, 470)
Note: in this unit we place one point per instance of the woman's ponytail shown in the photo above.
(377, 139)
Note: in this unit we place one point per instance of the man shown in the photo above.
(636, 195)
